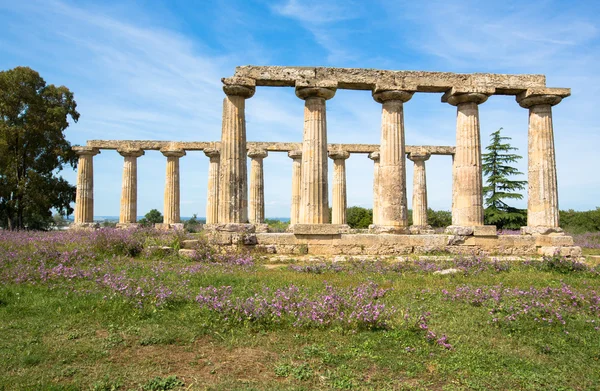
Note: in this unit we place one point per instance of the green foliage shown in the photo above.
(162, 384)
(358, 217)
(439, 218)
(579, 222)
(33, 148)
(192, 225)
(151, 218)
(497, 169)
(277, 225)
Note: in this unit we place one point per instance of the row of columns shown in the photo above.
(390, 189)
(128, 210)
(228, 199)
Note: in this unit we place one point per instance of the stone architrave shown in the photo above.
(128, 215)
(233, 181)
(542, 194)
(314, 197)
(256, 205)
(296, 156)
(172, 196)
(84, 199)
(375, 157)
(419, 197)
(339, 204)
(212, 198)
(393, 210)
(467, 188)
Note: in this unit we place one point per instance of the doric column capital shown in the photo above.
(257, 153)
(542, 96)
(130, 152)
(316, 89)
(84, 150)
(339, 155)
(173, 152)
(212, 152)
(419, 156)
(295, 154)
(478, 95)
(374, 156)
(239, 86)
(383, 93)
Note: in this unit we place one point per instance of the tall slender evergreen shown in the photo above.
(499, 187)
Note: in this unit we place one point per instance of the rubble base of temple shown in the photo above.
(388, 244)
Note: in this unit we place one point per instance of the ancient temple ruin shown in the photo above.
(235, 216)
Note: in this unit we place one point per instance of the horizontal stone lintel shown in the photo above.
(367, 79)
(268, 146)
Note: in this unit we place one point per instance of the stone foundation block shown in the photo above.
(421, 230)
(276, 238)
(485, 230)
(233, 227)
(566, 251)
(261, 227)
(553, 240)
(483, 242)
(540, 230)
(458, 230)
(386, 229)
(319, 229)
(247, 239)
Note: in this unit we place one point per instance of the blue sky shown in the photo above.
(152, 70)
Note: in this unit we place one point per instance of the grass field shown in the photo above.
(99, 311)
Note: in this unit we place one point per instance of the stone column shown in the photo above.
(419, 198)
(84, 199)
(128, 215)
(172, 199)
(233, 183)
(375, 157)
(314, 199)
(212, 198)
(256, 205)
(467, 188)
(542, 194)
(339, 204)
(393, 210)
(296, 156)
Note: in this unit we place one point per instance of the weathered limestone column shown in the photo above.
(212, 197)
(419, 197)
(314, 200)
(467, 188)
(542, 194)
(296, 157)
(393, 210)
(128, 215)
(172, 198)
(233, 183)
(257, 190)
(375, 157)
(339, 204)
(84, 199)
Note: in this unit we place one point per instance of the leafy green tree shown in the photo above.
(33, 149)
(151, 218)
(358, 217)
(499, 187)
(439, 218)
